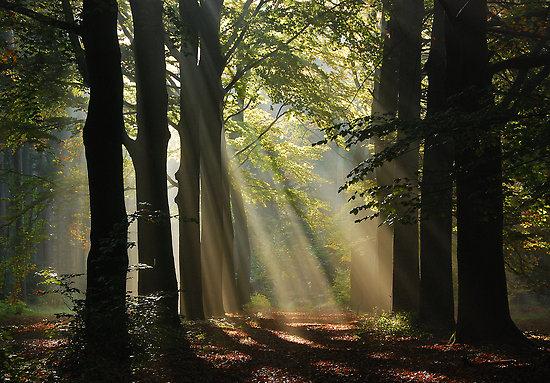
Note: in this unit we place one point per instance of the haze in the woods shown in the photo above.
(274, 190)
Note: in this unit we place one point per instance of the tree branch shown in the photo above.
(264, 132)
(78, 50)
(256, 63)
(239, 111)
(525, 61)
(236, 38)
(41, 18)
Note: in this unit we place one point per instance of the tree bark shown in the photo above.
(149, 155)
(385, 105)
(405, 240)
(436, 284)
(188, 175)
(242, 246)
(212, 191)
(231, 300)
(4, 230)
(483, 312)
(241, 239)
(105, 311)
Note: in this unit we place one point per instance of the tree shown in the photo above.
(188, 198)
(105, 310)
(385, 106)
(483, 312)
(436, 285)
(149, 156)
(409, 14)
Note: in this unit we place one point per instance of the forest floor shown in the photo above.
(290, 347)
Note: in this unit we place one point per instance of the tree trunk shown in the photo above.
(149, 155)
(212, 191)
(16, 280)
(385, 105)
(483, 312)
(105, 314)
(4, 229)
(242, 246)
(188, 175)
(405, 239)
(241, 240)
(229, 280)
(436, 283)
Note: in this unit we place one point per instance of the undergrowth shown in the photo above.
(389, 324)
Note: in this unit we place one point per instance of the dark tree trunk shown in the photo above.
(149, 155)
(436, 284)
(385, 105)
(105, 314)
(409, 14)
(483, 312)
(188, 175)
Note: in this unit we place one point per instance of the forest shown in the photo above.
(275, 191)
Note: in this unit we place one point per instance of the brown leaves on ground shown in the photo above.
(302, 347)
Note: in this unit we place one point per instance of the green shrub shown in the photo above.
(258, 302)
(341, 287)
(9, 309)
(398, 324)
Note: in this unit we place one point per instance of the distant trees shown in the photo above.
(33, 120)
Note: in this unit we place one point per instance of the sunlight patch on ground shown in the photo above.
(296, 339)
(382, 355)
(242, 337)
(417, 376)
(334, 368)
(228, 359)
(345, 338)
(495, 360)
(325, 326)
(273, 374)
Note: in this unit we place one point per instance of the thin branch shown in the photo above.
(172, 49)
(78, 50)
(264, 132)
(239, 23)
(239, 111)
(256, 63)
(236, 39)
(259, 61)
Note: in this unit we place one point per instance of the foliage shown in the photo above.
(389, 324)
(341, 287)
(9, 309)
(258, 302)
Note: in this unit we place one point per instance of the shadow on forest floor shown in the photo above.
(301, 347)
